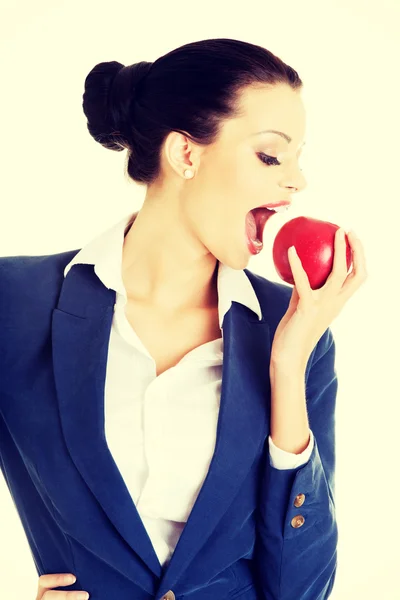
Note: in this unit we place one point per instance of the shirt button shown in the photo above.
(169, 596)
(297, 521)
(299, 500)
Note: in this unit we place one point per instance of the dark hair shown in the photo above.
(191, 90)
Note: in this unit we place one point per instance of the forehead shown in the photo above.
(277, 107)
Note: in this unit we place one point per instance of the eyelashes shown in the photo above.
(268, 160)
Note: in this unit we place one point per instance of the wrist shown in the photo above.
(289, 426)
(287, 366)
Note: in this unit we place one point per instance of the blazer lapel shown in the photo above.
(80, 333)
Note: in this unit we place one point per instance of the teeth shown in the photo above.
(279, 209)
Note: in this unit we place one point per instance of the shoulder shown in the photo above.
(26, 277)
(13, 268)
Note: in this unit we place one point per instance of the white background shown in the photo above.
(59, 189)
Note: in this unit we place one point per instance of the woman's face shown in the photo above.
(230, 177)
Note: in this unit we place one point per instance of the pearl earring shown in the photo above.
(188, 173)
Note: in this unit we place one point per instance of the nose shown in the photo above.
(297, 183)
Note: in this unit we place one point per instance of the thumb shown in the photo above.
(294, 300)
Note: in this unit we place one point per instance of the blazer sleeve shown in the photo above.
(48, 545)
(280, 459)
(295, 552)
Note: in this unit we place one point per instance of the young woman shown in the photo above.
(167, 417)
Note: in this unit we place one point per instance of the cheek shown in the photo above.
(219, 219)
(250, 177)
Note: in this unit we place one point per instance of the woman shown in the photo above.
(167, 416)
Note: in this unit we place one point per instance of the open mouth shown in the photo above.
(255, 223)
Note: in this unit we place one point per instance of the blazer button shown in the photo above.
(299, 500)
(297, 521)
(169, 596)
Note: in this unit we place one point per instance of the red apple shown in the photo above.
(314, 241)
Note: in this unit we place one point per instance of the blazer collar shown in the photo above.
(105, 253)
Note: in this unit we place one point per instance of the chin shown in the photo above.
(239, 264)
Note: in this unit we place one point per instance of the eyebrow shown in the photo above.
(284, 135)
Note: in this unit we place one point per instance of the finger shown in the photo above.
(61, 595)
(294, 297)
(299, 275)
(339, 270)
(340, 258)
(359, 273)
(52, 580)
(294, 300)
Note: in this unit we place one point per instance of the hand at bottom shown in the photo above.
(47, 582)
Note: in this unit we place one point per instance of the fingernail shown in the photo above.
(84, 596)
(353, 233)
(341, 234)
(70, 579)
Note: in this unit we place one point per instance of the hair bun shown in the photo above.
(110, 88)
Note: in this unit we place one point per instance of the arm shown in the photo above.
(295, 551)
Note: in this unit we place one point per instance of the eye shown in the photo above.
(268, 160)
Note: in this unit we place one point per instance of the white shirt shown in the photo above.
(154, 424)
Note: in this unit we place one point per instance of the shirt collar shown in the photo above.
(105, 253)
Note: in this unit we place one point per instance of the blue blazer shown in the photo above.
(255, 532)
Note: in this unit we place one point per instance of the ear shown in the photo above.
(180, 152)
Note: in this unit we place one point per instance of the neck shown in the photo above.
(164, 266)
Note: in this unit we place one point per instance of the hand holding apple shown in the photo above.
(311, 311)
(314, 241)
